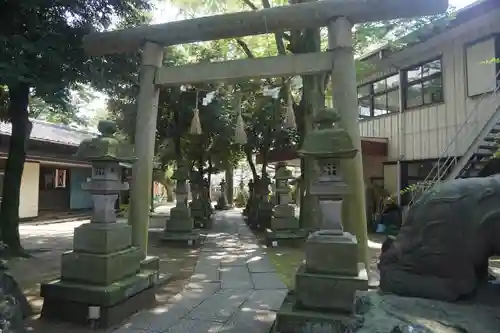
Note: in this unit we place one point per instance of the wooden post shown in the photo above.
(346, 103)
(142, 172)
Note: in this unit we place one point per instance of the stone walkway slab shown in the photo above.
(234, 288)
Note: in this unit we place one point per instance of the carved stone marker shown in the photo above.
(326, 283)
(222, 201)
(284, 223)
(180, 226)
(443, 247)
(101, 279)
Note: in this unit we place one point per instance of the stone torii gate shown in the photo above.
(338, 15)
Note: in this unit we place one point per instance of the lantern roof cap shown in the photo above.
(106, 147)
(327, 139)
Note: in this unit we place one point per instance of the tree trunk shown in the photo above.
(264, 152)
(248, 154)
(21, 130)
(210, 166)
(230, 183)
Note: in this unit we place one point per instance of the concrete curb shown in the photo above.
(69, 219)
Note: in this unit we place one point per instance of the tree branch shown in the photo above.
(245, 48)
(250, 4)
(278, 37)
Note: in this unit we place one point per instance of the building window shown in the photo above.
(423, 84)
(379, 98)
(53, 178)
(60, 178)
(481, 69)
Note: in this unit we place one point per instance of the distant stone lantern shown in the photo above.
(180, 225)
(284, 223)
(102, 276)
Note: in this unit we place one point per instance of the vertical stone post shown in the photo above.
(142, 172)
(346, 103)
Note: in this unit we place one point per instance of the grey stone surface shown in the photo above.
(267, 281)
(194, 326)
(269, 299)
(260, 264)
(332, 253)
(235, 277)
(234, 288)
(102, 238)
(220, 306)
(158, 319)
(257, 312)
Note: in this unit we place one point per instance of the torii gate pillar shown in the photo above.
(142, 172)
(345, 102)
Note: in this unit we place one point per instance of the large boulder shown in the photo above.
(385, 313)
(443, 247)
(14, 306)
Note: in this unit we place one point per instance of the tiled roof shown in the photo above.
(55, 133)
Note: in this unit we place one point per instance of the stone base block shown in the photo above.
(157, 220)
(208, 223)
(78, 313)
(283, 211)
(285, 237)
(151, 263)
(328, 291)
(102, 238)
(332, 254)
(104, 296)
(289, 319)
(284, 222)
(180, 220)
(192, 238)
(101, 269)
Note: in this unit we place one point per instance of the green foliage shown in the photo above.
(41, 61)
(241, 198)
(40, 44)
(492, 61)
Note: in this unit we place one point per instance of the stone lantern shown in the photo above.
(327, 280)
(222, 200)
(101, 279)
(284, 223)
(180, 225)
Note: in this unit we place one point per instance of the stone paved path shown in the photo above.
(234, 288)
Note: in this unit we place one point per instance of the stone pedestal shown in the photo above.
(284, 224)
(101, 279)
(179, 229)
(200, 209)
(325, 286)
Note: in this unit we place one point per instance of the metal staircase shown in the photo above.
(480, 152)
(478, 155)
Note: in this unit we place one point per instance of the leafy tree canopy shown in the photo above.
(41, 61)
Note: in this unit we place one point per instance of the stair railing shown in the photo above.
(446, 162)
